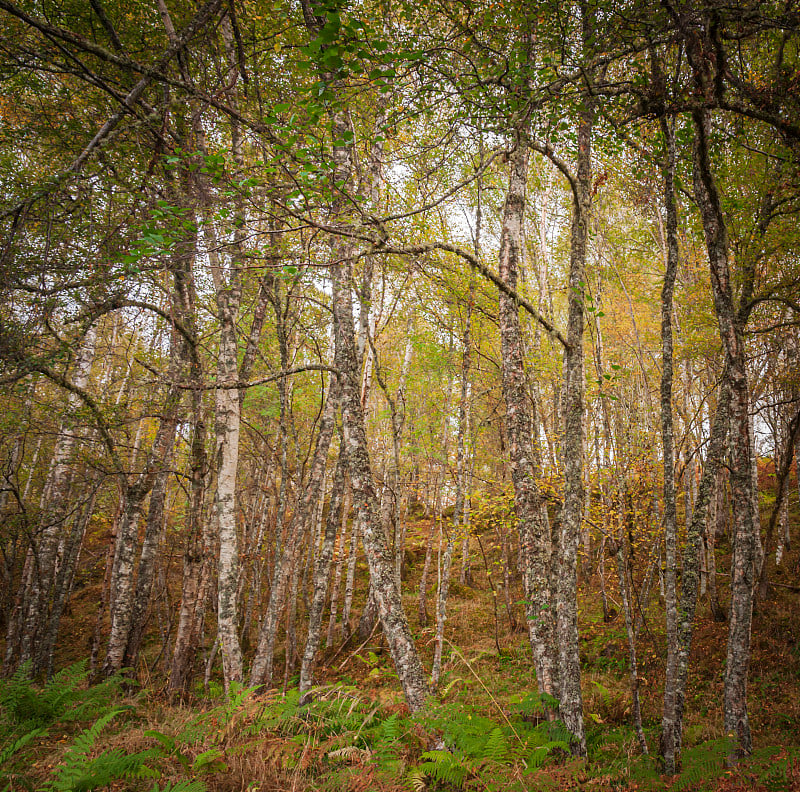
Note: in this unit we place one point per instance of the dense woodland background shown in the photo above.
(446, 349)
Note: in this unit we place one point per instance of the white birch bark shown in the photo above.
(27, 625)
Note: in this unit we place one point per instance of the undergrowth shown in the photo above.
(342, 740)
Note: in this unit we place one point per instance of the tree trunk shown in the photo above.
(349, 585)
(340, 556)
(195, 559)
(461, 479)
(261, 670)
(153, 541)
(571, 701)
(227, 421)
(390, 607)
(28, 623)
(710, 542)
(670, 741)
(66, 575)
(534, 531)
(422, 599)
(743, 493)
(321, 577)
(381, 569)
(781, 498)
(691, 562)
(121, 598)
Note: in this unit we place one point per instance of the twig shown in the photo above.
(356, 651)
(466, 662)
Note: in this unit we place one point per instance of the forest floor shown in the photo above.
(357, 736)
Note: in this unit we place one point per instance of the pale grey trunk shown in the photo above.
(670, 741)
(625, 598)
(690, 577)
(781, 500)
(710, 535)
(422, 603)
(26, 630)
(441, 601)
(349, 585)
(256, 554)
(340, 558)
(390, 607)
(743, 491)
(65, 577)
(227, 419)
(153, 542)
(466, 562)
(121, 596)
(274, 289)
(461, 475)
(321, 577)
(261, 670)
(570, 697)
(195, 559)
(290, 644)
(534, 531)
(393, 525)
(422, 598)
(227, 422)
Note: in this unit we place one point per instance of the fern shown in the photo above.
(181, 786)
(64, 698)
(534, 706)
(496, 747)
(18, 744)
(782, 768)
(446, 768)
(79, 772)
(416, 779)
(350, 753)
(703, 762)
(8, 769)
(390, 728)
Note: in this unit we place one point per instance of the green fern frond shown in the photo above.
(80, 773)
(448, 687)
(536, 705)
(536, 758)
(18, 744)
(85, 741)
(703, 762)
(64, 698)
(446, 767)
(181, 786)
(390, 728)
(167, 742)
(496, 747)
